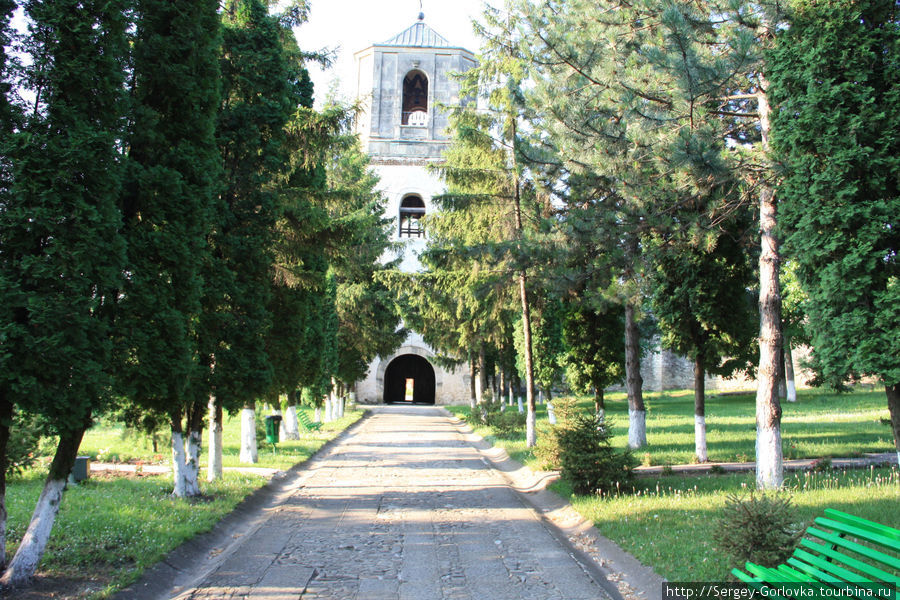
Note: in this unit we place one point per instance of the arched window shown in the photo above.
(412, 209)
(415, 99)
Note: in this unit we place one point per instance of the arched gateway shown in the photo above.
(409, 378)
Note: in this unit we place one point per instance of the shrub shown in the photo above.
(505, 423)
(587, 459)
(762, 528)
(22, 447)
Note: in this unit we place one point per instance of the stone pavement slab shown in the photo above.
(404, 507)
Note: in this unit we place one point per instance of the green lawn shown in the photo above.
(112, 442)
(667, 523)
(818, 424)
(112, 526)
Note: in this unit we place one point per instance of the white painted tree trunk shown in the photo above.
(637, 429)
(769, 459)
(318, 415)
(328, 410)
(789, 372)
(290, 427)
(248, 436)
(31, 549)
(179, 464)
(700, 438)
(192, 465)
(531, 428)
(521, 407)
(551, 415)
(214, 464)
(341, 407)
(511, 401)
(540, 396)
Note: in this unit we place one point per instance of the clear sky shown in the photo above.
(352, 25)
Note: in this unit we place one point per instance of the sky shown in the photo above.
(352, 25)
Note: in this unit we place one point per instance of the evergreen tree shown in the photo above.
(62, 255)
(836, 81)
(486, 172)
(704, 312)
(258, 99)
(10, 115)
(170, 206)
(595, 356)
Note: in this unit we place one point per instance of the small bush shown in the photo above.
(22, 447)
(505, 423)
(762, 528)
(587, 459)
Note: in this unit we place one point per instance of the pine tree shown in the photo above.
(170, 205)
(836, 80)
(63, 253)
(700, 300)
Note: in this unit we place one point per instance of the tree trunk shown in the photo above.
(178, 458)
(531, 413)
(789, 371)
(290, 425)
(6, 416)
(248, 434)
(31, 549)
(214, 464)
(637, 413)
(599, 403)
(317, 417)
(782, 378)
(482, 376)
(893, 398)
(769, 460)
(195, 445)
(501, 387)
(700, 411)
(473, 398)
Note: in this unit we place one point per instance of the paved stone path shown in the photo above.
(403, 508)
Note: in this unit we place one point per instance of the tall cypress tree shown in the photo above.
(169, 204)
(836, 80)
(257, 101)
(63, 253)
(10, 115)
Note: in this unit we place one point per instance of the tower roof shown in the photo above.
(419, 35)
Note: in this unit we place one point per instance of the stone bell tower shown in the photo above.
(400, 84)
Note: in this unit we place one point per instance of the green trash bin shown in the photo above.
(273, 424)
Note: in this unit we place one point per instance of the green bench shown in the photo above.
(303, 418)
(839, 551)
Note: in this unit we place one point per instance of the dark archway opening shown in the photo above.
(409, 379)
(415, 99)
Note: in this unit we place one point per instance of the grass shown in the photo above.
(111, 442)
(668, 523)
(819, 424)
(111, 527)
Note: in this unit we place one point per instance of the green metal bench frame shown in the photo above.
(843, 550)
(303, 418)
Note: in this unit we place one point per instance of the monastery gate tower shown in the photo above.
(399, 83)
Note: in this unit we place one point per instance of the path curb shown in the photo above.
(632, 579)
(199, 556)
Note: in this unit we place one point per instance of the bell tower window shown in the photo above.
(415, 99)
(412, 209)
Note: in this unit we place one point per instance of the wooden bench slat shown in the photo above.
(866, 551)
(306, 422)
(871, 570)
(795, 574)
(853, 520)
(817, 574)
(830, 567)
(863, 534)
